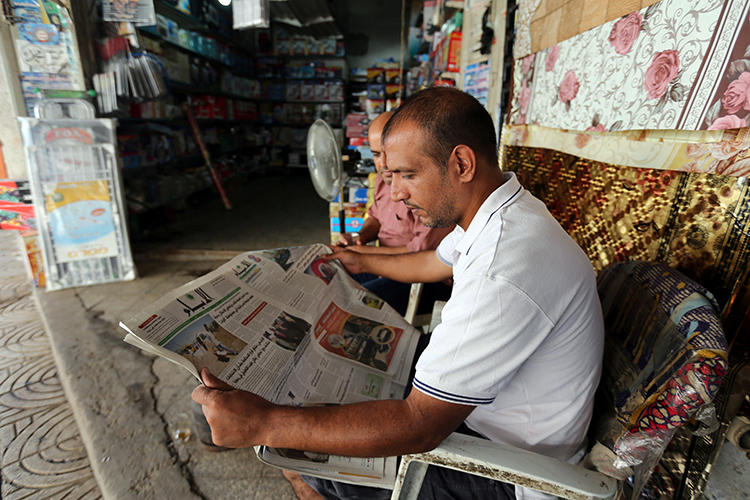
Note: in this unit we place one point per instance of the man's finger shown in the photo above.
(203, 395)
(212, 382)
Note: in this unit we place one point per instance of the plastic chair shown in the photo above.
(665, 356)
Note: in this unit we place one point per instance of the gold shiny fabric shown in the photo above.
(697, 223)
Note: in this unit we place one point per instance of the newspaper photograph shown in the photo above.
(293, 328)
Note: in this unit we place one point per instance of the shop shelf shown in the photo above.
(192, 52)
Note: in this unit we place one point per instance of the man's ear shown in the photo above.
(464, 162)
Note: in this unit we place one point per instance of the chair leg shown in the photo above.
(407, 486)
(415, 293)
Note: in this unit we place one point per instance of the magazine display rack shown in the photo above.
(77, 194)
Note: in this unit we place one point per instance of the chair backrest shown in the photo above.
(665, 356)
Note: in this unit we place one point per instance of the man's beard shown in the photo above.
(442, 217)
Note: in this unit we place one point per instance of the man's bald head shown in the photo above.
(447, 118)
(374, 136)
(378, 124)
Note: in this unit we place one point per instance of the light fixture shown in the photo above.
(225, 3)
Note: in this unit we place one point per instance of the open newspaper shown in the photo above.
(294, 329)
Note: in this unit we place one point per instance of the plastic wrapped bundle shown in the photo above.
(664, 359)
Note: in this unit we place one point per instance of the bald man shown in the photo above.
(397, 230)
(517, 355)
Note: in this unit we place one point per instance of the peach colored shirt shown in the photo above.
(398, 227)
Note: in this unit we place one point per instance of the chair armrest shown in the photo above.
(503, 463)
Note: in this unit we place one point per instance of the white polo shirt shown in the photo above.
(521, 337)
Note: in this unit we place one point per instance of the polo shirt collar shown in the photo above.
(499, 198)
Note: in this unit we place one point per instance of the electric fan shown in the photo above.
(326, 168)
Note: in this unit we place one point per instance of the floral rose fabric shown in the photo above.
(737, 95)
(671, 65)
(729, 121)
(663, 70)
(625, 31)
(569, 87)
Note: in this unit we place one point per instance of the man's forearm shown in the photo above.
(412, 267)
(369, 231)
(239, 419)
(379, 250)
(372, 429)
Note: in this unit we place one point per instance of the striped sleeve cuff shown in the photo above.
(443, 259)
(450, 397)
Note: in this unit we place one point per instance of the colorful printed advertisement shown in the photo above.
(81, 222)
(366, 341)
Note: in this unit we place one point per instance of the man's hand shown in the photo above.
(236, 417)
(352, 260)
(348, 239)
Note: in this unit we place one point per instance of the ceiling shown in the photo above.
(306, 17)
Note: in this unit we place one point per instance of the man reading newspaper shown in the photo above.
(517, 356)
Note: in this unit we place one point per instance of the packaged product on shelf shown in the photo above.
(392, 76)
(306, 71)
(177, 64)
(357, 120)
(329, 46)
(336, 91)
(374, 107)
(274, 91)
(355, 127)
(375, 91)
(194, 40)
(307, 113)
(200, 106)
(393, 90)
(321, 91)
(299, 46)
(183, 37)
(183, 5)
(283, 47)
(447, 53)
(292, 90)
(307, 91)
(375, 75)
(314, 46)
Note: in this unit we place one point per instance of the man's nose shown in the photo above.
(397, 191)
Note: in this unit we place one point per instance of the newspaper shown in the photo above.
(294, 329)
